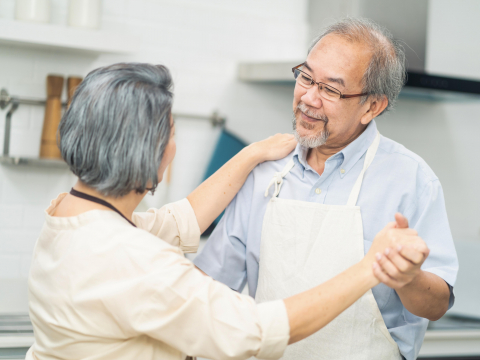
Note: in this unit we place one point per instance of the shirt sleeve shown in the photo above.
(172, 302)
(174, 223)
(224, 255)
(430, 219)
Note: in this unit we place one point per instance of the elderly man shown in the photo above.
(301, 220)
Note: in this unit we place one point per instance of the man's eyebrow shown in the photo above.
(337, 80)
(308, 67)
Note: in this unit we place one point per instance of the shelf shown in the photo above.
(268, 72)
(49, 36)
(33, 162)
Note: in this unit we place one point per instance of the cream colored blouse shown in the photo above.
(101, 289)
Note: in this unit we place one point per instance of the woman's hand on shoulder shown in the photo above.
(273, 148)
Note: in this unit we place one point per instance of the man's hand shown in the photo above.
(422, 293)
(400, 264)
(398, 267)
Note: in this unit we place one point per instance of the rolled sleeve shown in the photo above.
(174, 223)
(197, 315)
(431, 222)
(276, 329)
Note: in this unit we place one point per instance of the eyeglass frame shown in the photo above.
(342, 96)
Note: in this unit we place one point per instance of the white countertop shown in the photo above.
(436, 343)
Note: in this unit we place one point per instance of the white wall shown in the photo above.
(201, 42)
(446, 135)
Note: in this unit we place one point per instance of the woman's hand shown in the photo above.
(399, 265)
(391, 237)
(214, 194)
(273, 148)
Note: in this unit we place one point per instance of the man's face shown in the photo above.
(341, 64)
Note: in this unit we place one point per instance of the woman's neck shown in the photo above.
(73, 206)
(125, 204)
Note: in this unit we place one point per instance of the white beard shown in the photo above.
(310, 142)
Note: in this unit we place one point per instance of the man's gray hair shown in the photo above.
(115, 131)
(385, 74)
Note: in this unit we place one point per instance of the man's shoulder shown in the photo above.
(269, 168)
(405, 160)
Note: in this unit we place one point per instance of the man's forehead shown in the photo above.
(337, 58)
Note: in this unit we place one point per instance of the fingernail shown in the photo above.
(375, 265)
(399, 247)
(378, 256)
(387, 251)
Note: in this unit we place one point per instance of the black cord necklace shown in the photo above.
(94, 199)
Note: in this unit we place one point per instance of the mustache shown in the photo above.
(304, 109)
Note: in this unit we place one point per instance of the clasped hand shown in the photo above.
(399, 254)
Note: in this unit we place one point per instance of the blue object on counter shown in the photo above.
(228, 146)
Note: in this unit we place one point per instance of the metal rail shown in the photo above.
(14, 102)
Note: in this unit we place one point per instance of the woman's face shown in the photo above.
(168, 154)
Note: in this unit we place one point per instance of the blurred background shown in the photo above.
(231, 62)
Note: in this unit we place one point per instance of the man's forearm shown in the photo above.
(426, 296)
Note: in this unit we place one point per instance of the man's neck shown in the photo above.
(317, 157)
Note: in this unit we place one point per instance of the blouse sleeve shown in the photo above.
(172, 302)
(174, 223)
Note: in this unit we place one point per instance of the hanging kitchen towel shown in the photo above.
(228, 146)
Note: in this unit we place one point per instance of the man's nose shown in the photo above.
(312, 97)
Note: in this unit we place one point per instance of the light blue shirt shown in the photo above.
(396, 181)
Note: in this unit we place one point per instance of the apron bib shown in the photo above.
(304, 244)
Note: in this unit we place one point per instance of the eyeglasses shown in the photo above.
(326, 91)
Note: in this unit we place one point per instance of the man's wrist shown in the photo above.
(412, 284)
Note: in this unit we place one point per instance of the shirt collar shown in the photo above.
(355, 150)
(351, 154)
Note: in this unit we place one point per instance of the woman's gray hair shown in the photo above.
(386, 73)
(115, 131)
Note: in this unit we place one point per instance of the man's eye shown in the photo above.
(330, 91)
(306, 78)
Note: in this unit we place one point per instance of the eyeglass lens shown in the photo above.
(307, 82)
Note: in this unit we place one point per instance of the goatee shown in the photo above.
(315, 140)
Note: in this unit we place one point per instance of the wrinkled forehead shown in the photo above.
(337, 57)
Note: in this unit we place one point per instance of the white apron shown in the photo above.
(305, 244)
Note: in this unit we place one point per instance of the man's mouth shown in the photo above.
(310, 119)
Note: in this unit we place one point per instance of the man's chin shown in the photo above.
(311, 139)
(305, 133)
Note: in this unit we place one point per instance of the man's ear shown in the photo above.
(375, 106)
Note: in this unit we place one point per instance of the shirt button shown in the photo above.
(342, 171)
(318, 191)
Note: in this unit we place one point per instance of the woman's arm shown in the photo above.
(311, 310)
(211, 197)
(233, 325)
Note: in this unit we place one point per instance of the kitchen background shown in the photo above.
(203, 43)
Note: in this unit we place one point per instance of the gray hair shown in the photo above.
(115, 131)
(386, 73)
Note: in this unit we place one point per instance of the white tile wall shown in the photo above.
(201, 42)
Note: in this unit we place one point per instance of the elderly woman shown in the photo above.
(109, 283)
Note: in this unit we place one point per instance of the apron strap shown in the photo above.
(277, 179)
(372, 150)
